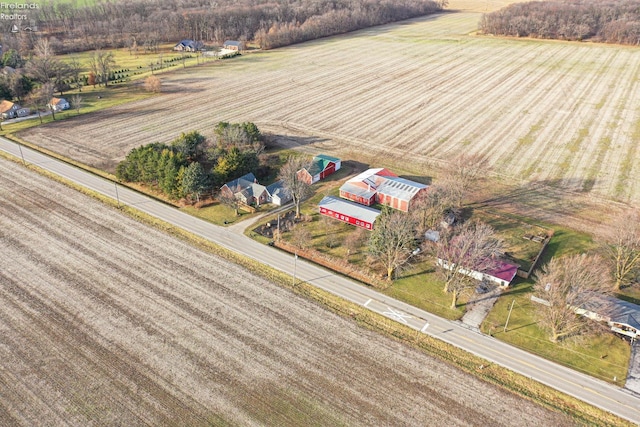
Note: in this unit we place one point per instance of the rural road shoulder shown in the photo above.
(598, 393)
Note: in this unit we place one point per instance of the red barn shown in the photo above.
(382, 186)
(321, 167)
(351, 213)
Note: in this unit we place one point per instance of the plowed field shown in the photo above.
(104, 321)
(558, 113)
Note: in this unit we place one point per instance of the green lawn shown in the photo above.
(136, 64)
(422, 288)
(93, 99)
(605, 356)
(513, 232)
(217, 213)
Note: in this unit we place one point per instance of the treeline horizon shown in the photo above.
(607, 21)
(144, 24)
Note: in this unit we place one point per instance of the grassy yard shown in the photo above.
(604, 356)
(128, 68)
(220, 214)
(93, 99)
(136, 65)
(513, 232)
(421, 287)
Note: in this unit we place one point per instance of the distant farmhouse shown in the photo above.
(349, 212)
(10, 110)
(232, 45)
(188, 45)
(382, 186)
(58, 104)
(321, 167)
(230, 48)
(247, 190)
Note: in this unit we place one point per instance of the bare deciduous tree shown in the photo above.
(392, 239)
(40, 98)
(292, 183)
(44, 67)
(567, 284)
(621, 245)
(76, 102)
(461, 175)
(429, 208)
(300, 237)
(152, 84)
(474, 248)
(101, 64)
(75, 70)
(354, 240)
(228, 198)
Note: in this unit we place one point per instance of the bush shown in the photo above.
(152, 84)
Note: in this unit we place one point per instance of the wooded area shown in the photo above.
(603, 21)
(146, 23)
(192, 164)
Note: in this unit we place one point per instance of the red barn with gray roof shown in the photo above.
(351, 213)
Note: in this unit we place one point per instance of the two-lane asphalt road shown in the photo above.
(598, 393)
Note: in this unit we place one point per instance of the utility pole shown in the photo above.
(508, 316)
(117, 195)
(295, 262)
(21, 154)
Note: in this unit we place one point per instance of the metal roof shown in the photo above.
(358, 190)
(400, 188)
(354, 210)
(504, 271)
(367, 176)
(327, 158)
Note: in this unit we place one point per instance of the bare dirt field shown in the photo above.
(104, 321)
(556, 112)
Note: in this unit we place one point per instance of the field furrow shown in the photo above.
(540, 111)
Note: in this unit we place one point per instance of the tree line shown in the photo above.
(193, 165)
(598, 20)
(145, 23)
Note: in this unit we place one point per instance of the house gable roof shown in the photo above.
(277, 189)
(232, 43)
(190, 44)
(7, 105)
(504, 271)
(241, 183)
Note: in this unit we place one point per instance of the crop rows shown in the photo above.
(551, 112)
